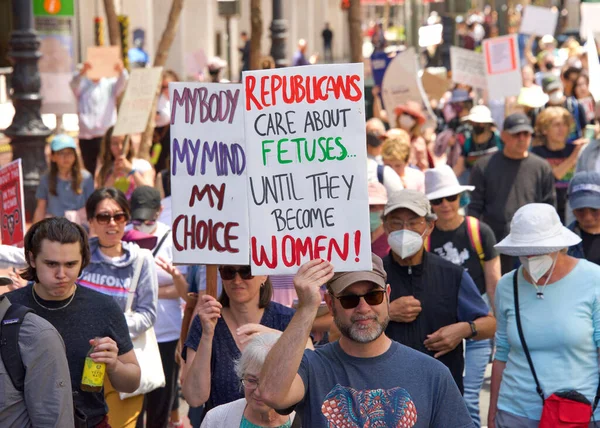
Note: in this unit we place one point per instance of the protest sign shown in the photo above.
(594, 66)
(539, 21)
(134, 110)
(590, 19)
(12, 204)
(430, 35)
(468, 67)
(307, 175)
(435, 85)
(400, 83)
(208, 174)
(103, 60)
(503, 71)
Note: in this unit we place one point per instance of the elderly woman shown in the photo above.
(395, 154)
(221, 330)
(547, 313)
(552, 130)
(467, 242)
(250, 411)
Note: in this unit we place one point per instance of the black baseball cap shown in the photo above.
(145, 202)
(516, 123)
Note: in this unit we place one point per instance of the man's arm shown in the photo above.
(477, 179)
(47, 389)
(492, 273)
(280, 386)
(472, 307)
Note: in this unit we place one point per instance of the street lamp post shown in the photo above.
(278, 35)
(27, 131)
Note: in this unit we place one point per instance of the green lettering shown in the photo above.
(323, 149)
(344, 154)
(265, 151)
(281, 151)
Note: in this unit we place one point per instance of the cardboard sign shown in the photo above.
(430, 35)
(590, 19)
(594, 66)
(468, 67)
(502, 67)
(208, 174)
(400, 83)
(434, 85)
(12, 204)
(307, 180)
(137, 101)
(103, 60)
(539, 21)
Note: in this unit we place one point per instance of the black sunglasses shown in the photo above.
(228, 272)
(105, 218)
(440, 200)
(351, 301)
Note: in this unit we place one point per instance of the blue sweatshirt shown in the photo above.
(112, 276)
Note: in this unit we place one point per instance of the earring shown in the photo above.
(262, 285)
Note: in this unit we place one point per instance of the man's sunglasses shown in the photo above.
(351, 301)
(440, 200)
(105, 218)
(228, 272)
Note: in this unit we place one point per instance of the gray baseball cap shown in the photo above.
(584, 190)
(410, 199)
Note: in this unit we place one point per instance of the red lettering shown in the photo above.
(318, 247)
(229, 237)
(342, 253)
(287, 239)
(263, 90)
(299, 90)
(304, 248)
(276, 83)
(176, 243)
(204, 234)
(249, 91)
(354, 79)
(260, 259)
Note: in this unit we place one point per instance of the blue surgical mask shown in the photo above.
(375, 218)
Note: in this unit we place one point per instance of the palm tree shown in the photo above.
(256, 25)
(114, 35)
(354, 26)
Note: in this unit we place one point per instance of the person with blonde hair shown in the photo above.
(552, 130)
(396, 153)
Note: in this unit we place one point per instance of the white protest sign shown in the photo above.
(468, 67)
(400, 83)
(502, 67)
(430, 35)
(539, 21)
(208, 174)
(307, 175)
(594, 67)
(134, 110)
(590, 19)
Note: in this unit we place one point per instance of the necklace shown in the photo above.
(53, 309)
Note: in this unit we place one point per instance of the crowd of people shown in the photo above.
(485, 241)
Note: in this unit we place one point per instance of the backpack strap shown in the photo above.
(9, 344)
(380, 173)
(474, 231)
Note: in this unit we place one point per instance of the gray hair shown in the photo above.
(255, 353)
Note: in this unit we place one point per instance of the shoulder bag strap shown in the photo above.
(137, 270)
(538, 388)
(162, 240)
(474, 232)
(380, 173)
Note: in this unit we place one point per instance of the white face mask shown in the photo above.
(145, 228)
(556, 97)
(405, 242)
(407, 122)
(537, 266)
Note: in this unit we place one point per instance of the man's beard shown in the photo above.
(358, 333)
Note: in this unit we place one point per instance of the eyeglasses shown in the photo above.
(351, 301)
(138, 222)
(228, 272)
(440, 200)
(105, 218)
(250, 383)
(412, 224)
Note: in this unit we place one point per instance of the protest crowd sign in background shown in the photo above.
(12, 204)
(502, 66)
(306, 156)
(103, 60)
(468, 67)
(208, 174)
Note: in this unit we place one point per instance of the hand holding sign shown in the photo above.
(209, 311)
(309, 279)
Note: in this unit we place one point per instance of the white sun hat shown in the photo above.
(534, 230)
(479, 114)
(441, 182)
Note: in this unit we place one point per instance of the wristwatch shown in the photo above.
(473, 330)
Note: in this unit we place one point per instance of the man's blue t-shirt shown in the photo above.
(400, 388)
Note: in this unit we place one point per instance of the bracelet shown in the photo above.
(473, 330)
(133, 171)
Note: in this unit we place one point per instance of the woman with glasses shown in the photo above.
(249, 411)
(466, 242)
(222, 329)
(110, 271)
